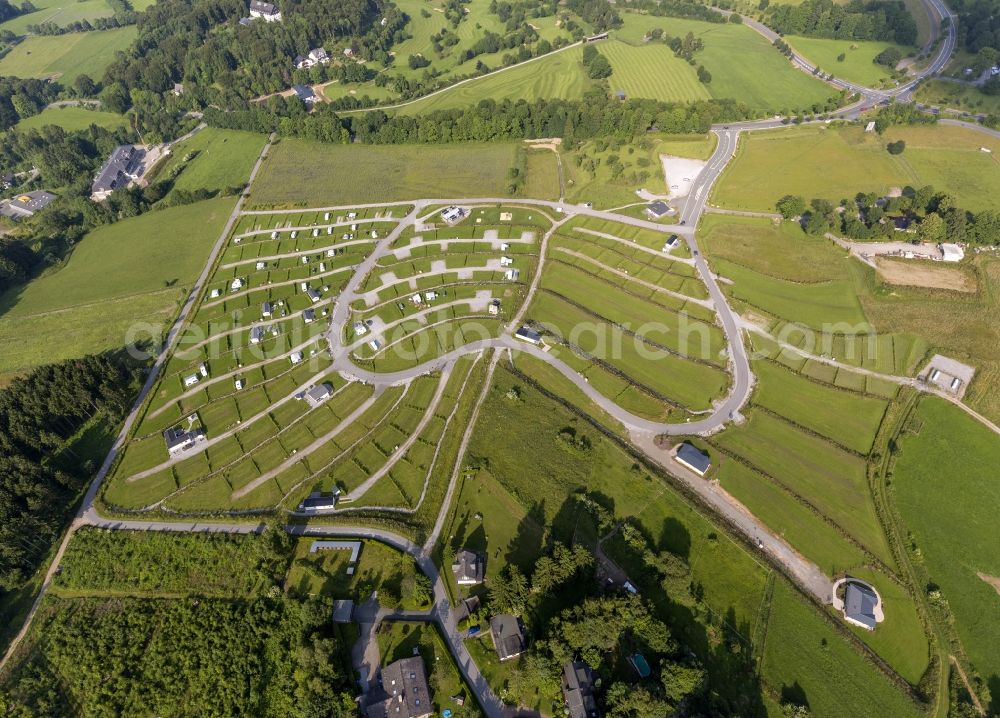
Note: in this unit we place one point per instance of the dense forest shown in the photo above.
(886, 20)
(39, 415)
(978, 26)
(491, 121)
(23, 98)
(229, 643)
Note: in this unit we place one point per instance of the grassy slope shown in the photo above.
(63, 12)
(72, 118)
(744, 66)
(116, 277)
(946, 490)
(838, 163)
(224, 159)
(805, 657)
(858, 66)
(64, 57)
(959, 97)
(299, 172)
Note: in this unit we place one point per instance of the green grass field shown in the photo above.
(222, 158)
(837, 163)
(744, 66)
(302, 173)
(124, 274)
(64, 12)
(652, 72)
(64, 57)
(72, 119)
(806, 659)
(946, 491)
(857, 66)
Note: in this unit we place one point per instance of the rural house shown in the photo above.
(658, 209)
(578, 690)
(318, 394)
(307, 96)
(265, 11)
(468, 568)
(693, 458)
(403, 692)
(124, 166)
(508, 636)
(859, 605)
(178, 440)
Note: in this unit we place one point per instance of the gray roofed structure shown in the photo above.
(304, 93)
(318, 394)
(123, 166)
(526, 334)
(178, 440)
(693, 458)
(468, 568)
(859, 605)
(26, 204)
(508, 635)
(658, 209)
(578, 690)
(404, 692)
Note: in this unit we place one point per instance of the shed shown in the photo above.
(693, 458)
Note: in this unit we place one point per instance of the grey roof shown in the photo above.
(119, 169)
(264, 8)
(659, 208)
(343, 611)
(309, 315)
(467, 567)
(31, 202)
(528, 334)
(404, 692)
(319, 392)
(318, 501)
(304, 93)
(508, 635)
(177, 438)
(859, 604)
(578, 690)
(694, 457)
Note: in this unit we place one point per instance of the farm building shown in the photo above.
(124, 166)
(508, 636)
(178, 440)
(658, 209)
(265, 11)
(25, 205)
(468, 568)
(693, 458)
(578, 690)
(859, 605)
(403, 693)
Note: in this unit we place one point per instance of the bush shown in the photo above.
(896, 148)
(889, 57)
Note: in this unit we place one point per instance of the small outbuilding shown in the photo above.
(693, 458)
(527, 334)
(658, 209)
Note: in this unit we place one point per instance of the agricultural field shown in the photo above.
(652, 72)
(219, 160)
(73, 118)
(858, 64)
(303, 173)
(64, 57)
(64, 12)
(137, 270)
(744, 66)
(838, 162)
(946, 492)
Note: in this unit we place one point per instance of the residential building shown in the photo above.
(256, 335)
(317, 501)
(266, 310)
(512, 275)
(265, 11)
(309, 316)
(859, 605)
(508, 636)
(124, 166)
(452, 214)
(494, 307)
(25, 205)
(506, 261)
(526, 334)
(403, 692)
(178, 440)
(190, 380)
(306, 94)
(468, 568)
(360, 329)
(236, 285)
(578, 690)
(316, 56)
(313, 295)
(693, 458)
(658, 209)
(295, 357)
(318, 394)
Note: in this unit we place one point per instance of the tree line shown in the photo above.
(39, 477)
(885, 20)
(492, 121)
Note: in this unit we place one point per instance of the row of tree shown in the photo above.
(886, 20)
(929, 215)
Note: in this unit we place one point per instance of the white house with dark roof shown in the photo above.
(179, 441)
(693, 458)
(266, 11)
(658, 209)
(318, 394)
(316, 56)
(468, 568)
(508, 636)
(124, 166)
(306, 94)
(860, 603)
